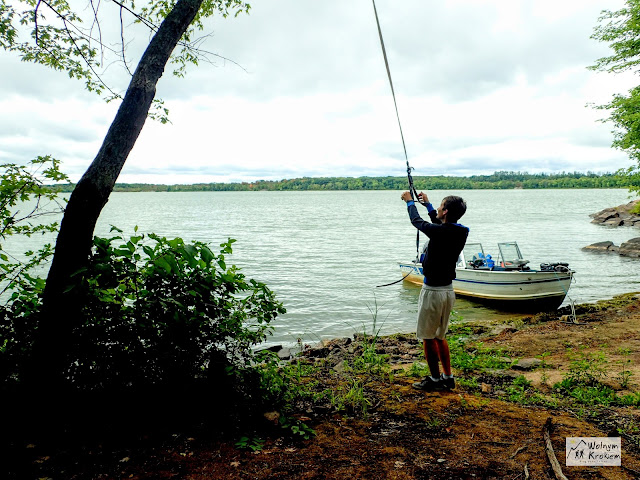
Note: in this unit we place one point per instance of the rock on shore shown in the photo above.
(618, 216)
(630, 248)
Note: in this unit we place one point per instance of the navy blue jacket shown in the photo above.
(446, 241)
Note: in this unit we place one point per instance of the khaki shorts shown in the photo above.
(434, 307)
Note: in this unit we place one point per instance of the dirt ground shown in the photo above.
(468, 433)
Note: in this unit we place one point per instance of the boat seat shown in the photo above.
(517, 264)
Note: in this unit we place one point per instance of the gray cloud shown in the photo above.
(457, 54)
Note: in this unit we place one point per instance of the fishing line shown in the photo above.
(412, 189)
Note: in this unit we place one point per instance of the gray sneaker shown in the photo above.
(447, 383)
(428, 385)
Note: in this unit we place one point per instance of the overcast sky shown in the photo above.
(481, 85)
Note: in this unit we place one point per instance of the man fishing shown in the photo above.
(446, 240)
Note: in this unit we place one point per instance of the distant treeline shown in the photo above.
(499, 180)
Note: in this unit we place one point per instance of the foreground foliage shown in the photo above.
(164, 311)
(155, 312)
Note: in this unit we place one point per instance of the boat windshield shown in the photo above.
(473, 252)
(511, 256)
(509, 252)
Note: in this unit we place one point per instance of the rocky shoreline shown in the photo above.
(622, 215)
(630, 248)
(619, 216)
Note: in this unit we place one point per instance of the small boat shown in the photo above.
(508, 283)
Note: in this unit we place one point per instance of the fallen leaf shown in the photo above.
(125, 459)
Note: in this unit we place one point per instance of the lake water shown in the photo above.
(323, 253)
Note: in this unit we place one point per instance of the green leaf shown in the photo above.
(190, 252)
(162, 263)
(206, 254)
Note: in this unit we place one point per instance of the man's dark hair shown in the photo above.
(455, 207)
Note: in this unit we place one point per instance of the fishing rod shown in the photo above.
(412, 189)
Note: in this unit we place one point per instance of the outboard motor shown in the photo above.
(554, 267)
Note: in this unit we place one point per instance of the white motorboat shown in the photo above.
(508, 282)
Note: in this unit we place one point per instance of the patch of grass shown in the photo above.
(479, 359)
(286, 383)
(370, 361)
(625, 374)
(433, 422)
(544, 366)
(631, 399)
(417, 369)
(586, 368)
(582, 384)
(517, 391)
(350, 397)
(591, 394)
(470, 384)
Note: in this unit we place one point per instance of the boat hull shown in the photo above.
(513, 290)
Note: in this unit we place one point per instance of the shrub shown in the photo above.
(155, 313)
(164, 312)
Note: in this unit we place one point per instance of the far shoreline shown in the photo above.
(495, 181)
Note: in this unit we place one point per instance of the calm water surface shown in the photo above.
(323, 253)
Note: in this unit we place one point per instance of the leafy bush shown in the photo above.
(155, 313)
(155, 322)
(158, 311)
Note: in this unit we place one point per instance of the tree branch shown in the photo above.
(97, 23)
(124, 56)
(65, 22)
(35, 19)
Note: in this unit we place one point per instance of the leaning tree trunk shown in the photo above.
(74, 241)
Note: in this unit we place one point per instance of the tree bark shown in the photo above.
(74, 242)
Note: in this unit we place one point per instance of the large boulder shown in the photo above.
(618, 216)
(602, 247)
(630, 248)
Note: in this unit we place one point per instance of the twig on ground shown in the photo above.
(635, 472)
(524, 447)
(557, 470)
